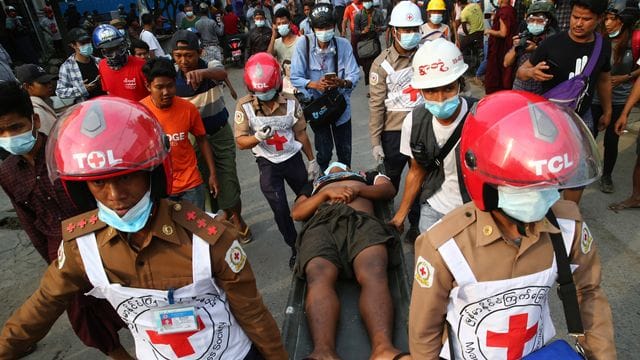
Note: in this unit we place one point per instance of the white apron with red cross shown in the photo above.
(283, 144)
(218, 336)
(502, 319)
(400, 95)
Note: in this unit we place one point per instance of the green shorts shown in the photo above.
(223, 146)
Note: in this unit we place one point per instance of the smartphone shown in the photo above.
(95, 80)
(330, 76)
(553, 66)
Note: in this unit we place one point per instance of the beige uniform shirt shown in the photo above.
(380, 119)
(241, 120)
(491, 257)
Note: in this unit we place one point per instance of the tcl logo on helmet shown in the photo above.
(260, 86)
(554, 165)
(96, 159)
(424, 69)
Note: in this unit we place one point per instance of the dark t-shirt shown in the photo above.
(89, 72)
(568, 55)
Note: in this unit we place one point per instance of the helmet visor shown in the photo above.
(540, 146)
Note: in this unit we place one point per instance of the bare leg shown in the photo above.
(573, 195)
(322, 307)
(376, 307)
(632, 201)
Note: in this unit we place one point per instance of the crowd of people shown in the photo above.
(114, 191)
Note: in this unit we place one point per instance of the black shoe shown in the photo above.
(412, 234)
(606, 185)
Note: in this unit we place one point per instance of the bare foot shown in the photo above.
(629, 203)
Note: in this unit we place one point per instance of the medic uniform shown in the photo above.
(189, 261)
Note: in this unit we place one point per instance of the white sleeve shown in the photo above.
(405, 136)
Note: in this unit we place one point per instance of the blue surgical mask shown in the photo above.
(133, 221)
(19, 144)
(526, 205)
(367, 5)
(325, 35)
(86, 49)
(335, 164)
(283, 30)
(409, 41)
(443, 110)
(266, 96)
(436, 18)
(615, 34)
(260, 23)
(189, 13)
(535, 29)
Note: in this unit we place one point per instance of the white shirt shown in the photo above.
(46, 114)
(448, 197)
(153, 43)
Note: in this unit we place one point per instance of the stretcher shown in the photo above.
(352, 340)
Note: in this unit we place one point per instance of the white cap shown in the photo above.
(437, 63)
(406, 14)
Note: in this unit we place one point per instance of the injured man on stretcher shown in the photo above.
(342, 238)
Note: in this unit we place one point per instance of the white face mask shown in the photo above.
(526, 205)
(189, 13)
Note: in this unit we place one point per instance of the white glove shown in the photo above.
(378, 153)
(264, 133)
(313, 170)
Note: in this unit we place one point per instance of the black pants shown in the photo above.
(339, 14)
(610, 136)
(394, 163)
(272, 178)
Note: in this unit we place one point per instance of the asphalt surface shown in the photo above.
(616, 235)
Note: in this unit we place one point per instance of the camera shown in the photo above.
(524, 37)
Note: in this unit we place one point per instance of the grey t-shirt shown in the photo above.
(209, 31)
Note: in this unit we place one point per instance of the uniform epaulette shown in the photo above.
(566, 209)
(200, 223)
(81, 225)
(245, 99)
(446, 229)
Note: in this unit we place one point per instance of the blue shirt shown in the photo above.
(306, 26)
(340, 2)
(321, 62)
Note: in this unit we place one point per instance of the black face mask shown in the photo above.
(116, 59)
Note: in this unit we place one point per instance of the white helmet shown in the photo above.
(406, 14)
(437, 63)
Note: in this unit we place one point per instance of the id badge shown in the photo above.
(171, 320)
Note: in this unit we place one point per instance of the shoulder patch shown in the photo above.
(81, 225)
(238, 117)
(586, 239)
(61, 256)
(451, 224)
(424, 273)
(236, 258)
(197, 221)
(373, 78)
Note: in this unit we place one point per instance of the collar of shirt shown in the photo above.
(160, 226)
(487, 230)
(265, 109)
(394, 55)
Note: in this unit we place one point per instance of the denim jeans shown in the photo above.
(326, 137)
(428, 217)
(194, 195)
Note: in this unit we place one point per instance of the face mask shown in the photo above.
(189, 13)
(615, 34)
(436, 18)
(409, 41)
(335, 164)
(283, 30)
(535, 29)
(443, 110)
(367, 5)
(86, 49)
(133, 220)
(266, 96)
(526, 206)
(19, 144)
(260, 23)
(325, 35)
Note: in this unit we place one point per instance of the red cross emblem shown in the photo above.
(201, 223)
(191, 215)
(93, 219)
(96, 160)
(515, 339)
(423, 272)
(277, 141)
(409, 16)
(71, 227)
(81, 223)
(413, 93)
(179, 342)
(212, 230)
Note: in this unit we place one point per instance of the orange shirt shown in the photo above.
(350, 13)
(177, 122)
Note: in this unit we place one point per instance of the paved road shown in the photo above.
(617, 235)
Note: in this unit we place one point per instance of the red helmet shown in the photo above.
(108, 137)
(522, 140)
(262, 73)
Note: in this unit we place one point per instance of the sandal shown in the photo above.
(245, 237)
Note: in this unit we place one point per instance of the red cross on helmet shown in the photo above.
(262, 73)
(107, 137)
(522, 140)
